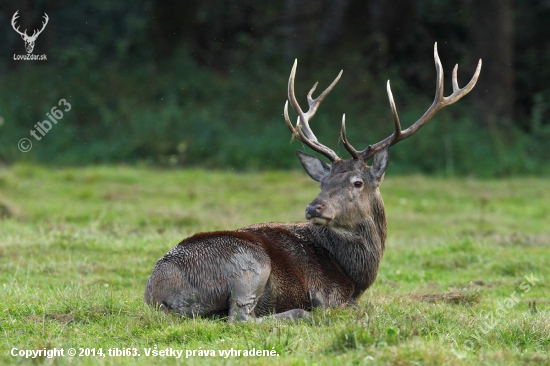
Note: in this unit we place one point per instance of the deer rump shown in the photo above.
(252, 272)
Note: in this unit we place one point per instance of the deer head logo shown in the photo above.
(29, 41)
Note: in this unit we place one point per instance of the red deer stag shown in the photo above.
(285, 269)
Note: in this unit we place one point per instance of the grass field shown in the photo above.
(77, 246)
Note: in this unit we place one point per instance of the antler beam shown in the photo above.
(439, 102)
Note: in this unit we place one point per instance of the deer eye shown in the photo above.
(358, 184)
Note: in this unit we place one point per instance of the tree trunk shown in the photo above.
(493, 35)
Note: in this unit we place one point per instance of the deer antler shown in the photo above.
(302, 131)
(24, 34)
(46, 18)
(13, 19)
(439, 102)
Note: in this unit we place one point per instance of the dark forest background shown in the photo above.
(203, 83)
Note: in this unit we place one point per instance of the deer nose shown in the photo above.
(314, 210)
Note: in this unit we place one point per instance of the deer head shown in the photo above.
(29, 41)
(349, 188)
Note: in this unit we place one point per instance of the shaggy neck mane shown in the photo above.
(358, 250)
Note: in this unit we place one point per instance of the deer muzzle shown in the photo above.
(316, 213)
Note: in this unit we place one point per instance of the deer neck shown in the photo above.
(357, 249)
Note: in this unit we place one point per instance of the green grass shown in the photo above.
(77, 246)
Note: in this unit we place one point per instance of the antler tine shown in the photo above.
(455, 81)
(439, 102)
(314, 103)
(302, 130)
(396, 125)
(354, 153)
(459, 93)
(439, 76)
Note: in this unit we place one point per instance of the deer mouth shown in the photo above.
(320, 221)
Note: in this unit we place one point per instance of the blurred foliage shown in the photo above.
(212, 93)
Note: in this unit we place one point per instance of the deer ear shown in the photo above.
(315, 167)
(380, 164)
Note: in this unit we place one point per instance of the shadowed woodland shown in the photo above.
(203, 83)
